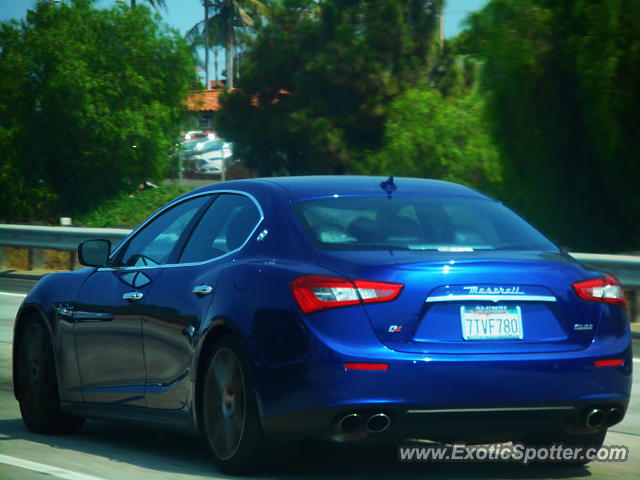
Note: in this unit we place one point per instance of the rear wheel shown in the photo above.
(37, 383)
(231, 422)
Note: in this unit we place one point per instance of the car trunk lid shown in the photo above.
(480, 302)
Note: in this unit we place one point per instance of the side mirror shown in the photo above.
(94, 253)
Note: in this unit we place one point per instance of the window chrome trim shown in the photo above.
(491, 298)
(171, 205)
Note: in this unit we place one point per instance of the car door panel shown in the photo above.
(108, 336)
(172, 318)
(109, 308)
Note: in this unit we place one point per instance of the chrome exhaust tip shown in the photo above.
(614, 415)
(378, 423)
(351, 423)
(595, 418)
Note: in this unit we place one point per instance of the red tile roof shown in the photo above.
(209, 100)
(203, 100)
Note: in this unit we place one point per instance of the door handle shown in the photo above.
(133, 296)
(202, 290)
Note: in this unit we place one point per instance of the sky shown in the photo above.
(183, 14)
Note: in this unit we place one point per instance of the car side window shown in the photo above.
(224, 227)
(154, 243)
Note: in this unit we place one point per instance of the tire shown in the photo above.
(584, 440)
(230, 415)
(37, 383)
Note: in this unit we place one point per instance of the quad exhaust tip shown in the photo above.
(378, 423)
(351, 423)
(614, 415)
(595, 418)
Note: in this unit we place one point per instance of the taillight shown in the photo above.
(615, 362)
(319, 292)
(366, 366)
(605, 289)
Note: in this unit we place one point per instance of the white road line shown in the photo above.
(11, 294)
(47, 469)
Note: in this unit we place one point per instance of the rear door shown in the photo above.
(177, 308)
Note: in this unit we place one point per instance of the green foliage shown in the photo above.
(154, 3)
(128, 210)
(454, 73)
(316, 83)
(89, 104)
(561, 80)
(227, 24)
(428, 135)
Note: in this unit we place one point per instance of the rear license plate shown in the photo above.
(491, 322)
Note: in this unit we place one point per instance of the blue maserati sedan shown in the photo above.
(255, 312)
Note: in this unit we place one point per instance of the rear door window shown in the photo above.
(225, 227)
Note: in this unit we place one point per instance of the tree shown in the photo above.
(428, 135)
(206, 35)
(154, 3)
(89, 104)
(222, 29)
(561, 79)
(318, 78)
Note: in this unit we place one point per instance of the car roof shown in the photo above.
(329, 185)
(319, 186)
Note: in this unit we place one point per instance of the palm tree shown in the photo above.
(196, 41)
(195, 45)
(154, 3)
(205, 34)
(222, 27)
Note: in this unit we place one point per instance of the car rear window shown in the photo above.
(407, 222)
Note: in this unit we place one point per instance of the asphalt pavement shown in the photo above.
(112, 451)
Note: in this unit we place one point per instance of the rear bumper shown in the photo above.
(471, 424)
(435, 396)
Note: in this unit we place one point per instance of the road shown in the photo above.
(106, 451)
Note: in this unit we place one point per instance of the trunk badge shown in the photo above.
(583, 326)
(494, 290)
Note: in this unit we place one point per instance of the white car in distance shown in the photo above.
(212, 156)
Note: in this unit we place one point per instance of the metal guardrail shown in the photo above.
(625, 267)
(59, 238)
